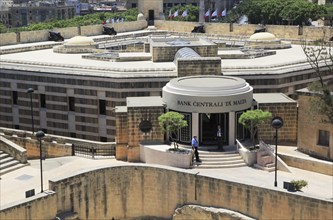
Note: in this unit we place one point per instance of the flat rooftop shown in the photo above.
(285, 60)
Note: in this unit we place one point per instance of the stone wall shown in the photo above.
(288, 133)
(33, 36)
(127, 192)
(308, 130)
(136, 136)
(122, 135)
(323, 167)
(199, 66)
(69, 32)
(167, 53)
(50, 149)
(7, 39)
(52, 145)
(280, 31)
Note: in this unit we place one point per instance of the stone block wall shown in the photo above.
(135, 136)
(308, 130)
(288, 133)
(122, 135)
(127, 192)
(8, 39)
(280, 31)
(34, 36)
(50, 149)
(199, 66)
(69, 32)
(167, 53)
(310, 164)
(129, 135)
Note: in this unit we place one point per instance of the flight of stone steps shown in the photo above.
(8, 163)
(216, 160)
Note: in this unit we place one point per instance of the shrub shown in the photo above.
(299, 184)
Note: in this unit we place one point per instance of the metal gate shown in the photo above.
(94, 152)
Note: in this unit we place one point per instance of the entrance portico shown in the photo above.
(207, 101)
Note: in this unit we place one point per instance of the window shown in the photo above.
(103, 139)
(42, 101)
(44, 130)
(71, 103)
(73, 135)
(14, 97)
(17, 126)
(324, 138)
(102, 107)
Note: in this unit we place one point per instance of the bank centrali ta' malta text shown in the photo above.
(211, 104)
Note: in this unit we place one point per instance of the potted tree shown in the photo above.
(252, 119)
(171, 122)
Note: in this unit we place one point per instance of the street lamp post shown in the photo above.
(40, 135)
(30, 91)
(277, 123)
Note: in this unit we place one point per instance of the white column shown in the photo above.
(195, 124)
(232, 128)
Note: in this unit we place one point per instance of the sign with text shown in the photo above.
(199, 104)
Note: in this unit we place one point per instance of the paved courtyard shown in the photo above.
(14, 185)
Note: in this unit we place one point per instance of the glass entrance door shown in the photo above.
(208, 128)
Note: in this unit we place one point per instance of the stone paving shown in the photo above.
(14, 185)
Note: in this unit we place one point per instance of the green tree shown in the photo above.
(252, 119)
(277, 11)
(320, 57)
(89, 19)
(192, 13)
(172, 122)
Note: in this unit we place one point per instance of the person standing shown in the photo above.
(219, 136)
(195, 148)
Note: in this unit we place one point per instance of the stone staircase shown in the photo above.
(217, 159)
(8, 163)
(265, 161)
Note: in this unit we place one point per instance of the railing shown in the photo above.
(94, 152)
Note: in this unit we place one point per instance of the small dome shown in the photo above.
(263, 36)
(140, 17)
(80, 40)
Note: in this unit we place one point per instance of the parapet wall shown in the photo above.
(280, 31)
(69, 32)
(127, 192)
(52, 145)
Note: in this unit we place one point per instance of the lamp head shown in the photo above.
(40, 135)
(277, 122)
(30, 90)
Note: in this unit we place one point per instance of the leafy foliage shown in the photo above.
(252, 119)
(280, 11)
(299, 184)
(172, 122)
(89, 19)
(192, 13)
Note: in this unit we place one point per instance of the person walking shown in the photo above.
(195, 148)
(219, 136)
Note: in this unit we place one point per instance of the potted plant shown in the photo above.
(295, 185)
(252, 119)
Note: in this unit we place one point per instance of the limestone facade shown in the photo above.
(309, 128)
(149, 6)
(288, 133)
(129, 131)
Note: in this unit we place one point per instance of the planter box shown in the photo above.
(160, 154)
(289, 186)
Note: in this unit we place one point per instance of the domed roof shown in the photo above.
(140, 17)
(80, 40)
(263, 36)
